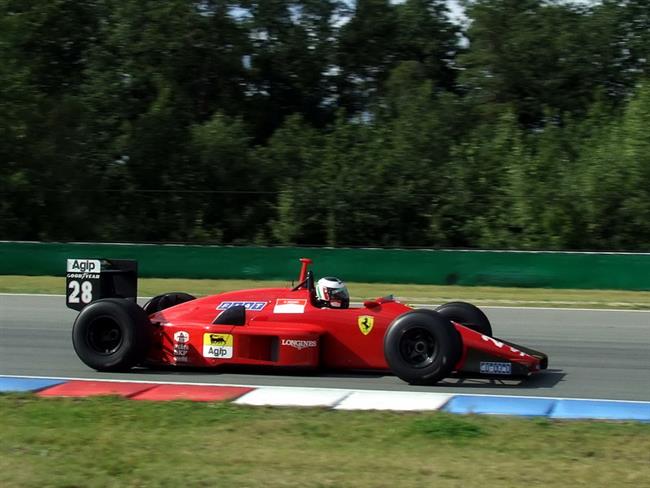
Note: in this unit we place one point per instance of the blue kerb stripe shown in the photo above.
(500, 405)
(9, 384)
(601, 409)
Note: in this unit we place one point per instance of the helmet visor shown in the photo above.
(338, 294)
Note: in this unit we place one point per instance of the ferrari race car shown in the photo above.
(280, 327)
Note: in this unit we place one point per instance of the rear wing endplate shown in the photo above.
(88, 280)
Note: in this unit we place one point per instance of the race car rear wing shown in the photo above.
(88, 280)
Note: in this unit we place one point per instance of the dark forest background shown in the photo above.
(319, 122)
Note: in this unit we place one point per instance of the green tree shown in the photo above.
(366, 52)
(426, 35)
(44, 47)
(155, 71)
(414, 143)
(544, 213)
(291, 52)
(479, 210)
(235, 202)
(623, 56)
(380, 35)
(535, 56)
(615, 174)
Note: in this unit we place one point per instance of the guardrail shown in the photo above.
(624, 271)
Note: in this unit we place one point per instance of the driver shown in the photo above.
(332, 292)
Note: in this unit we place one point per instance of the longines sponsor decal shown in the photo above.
(299, 344)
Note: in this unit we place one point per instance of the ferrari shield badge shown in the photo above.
(365, 324)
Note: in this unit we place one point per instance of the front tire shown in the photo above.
(468, 315)
(111, 334)
(422, 347)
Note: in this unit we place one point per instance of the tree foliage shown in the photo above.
(325, 122)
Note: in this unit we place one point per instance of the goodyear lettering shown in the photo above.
(252, 306)
(83, 276)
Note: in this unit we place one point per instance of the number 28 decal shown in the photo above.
(80, 291)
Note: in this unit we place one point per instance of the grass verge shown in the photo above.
(106, 442)
(479, 295)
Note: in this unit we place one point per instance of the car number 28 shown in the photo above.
(80, 291)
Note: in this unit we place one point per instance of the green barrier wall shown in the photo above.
(494, 268)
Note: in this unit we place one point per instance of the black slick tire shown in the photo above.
(468, 315)
(111, 334)
(422, 347)
(166, 300)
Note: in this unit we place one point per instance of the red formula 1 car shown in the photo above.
(285, 327)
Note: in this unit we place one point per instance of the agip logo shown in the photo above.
(217, 346)
(83, 266)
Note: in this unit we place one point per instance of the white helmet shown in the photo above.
(332, 292)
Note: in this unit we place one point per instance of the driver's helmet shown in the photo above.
(332, 292)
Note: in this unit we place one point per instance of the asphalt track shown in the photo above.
(593, 354)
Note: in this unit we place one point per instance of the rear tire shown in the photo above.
(166, 300)
(422, 347)
(468, 315)
(111, 334)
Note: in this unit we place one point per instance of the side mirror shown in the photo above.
(378, 301)
(303, 269)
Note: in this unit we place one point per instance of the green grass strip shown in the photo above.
(112, 442)
(480, 295)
